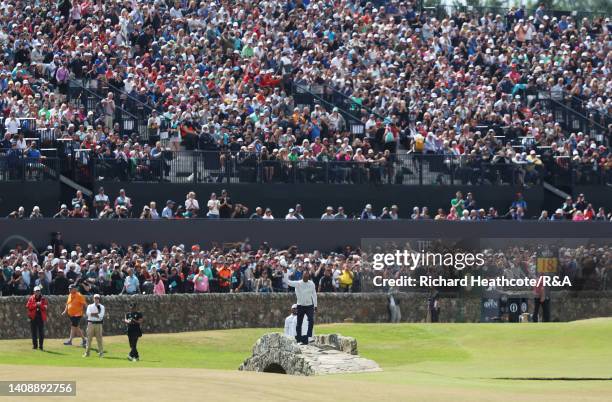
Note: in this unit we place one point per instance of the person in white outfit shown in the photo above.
(95, 318)
(291, 323)
(306, 305)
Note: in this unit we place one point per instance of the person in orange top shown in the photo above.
(225, 278)
(74, 309)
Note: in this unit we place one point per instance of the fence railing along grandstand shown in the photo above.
(407, 169)
(84, 165)
(17, 168)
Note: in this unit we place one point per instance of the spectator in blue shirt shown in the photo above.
(168, 212)
(131, 285)
(519, 202)
(33, 153)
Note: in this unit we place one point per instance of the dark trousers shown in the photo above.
(133, 338)
(37, 325)
(435, 314)
(309, 312)
(545, 309)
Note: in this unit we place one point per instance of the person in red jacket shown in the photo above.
(37, 313)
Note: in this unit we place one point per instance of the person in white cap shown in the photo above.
(37, 313)
(95, 318)
(291, 215)
(291, 323)
(367, 212)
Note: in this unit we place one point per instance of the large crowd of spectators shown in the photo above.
(240, 267)
(587, 266)
(222, 206)
(219, 75)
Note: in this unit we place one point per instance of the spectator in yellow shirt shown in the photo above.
(346, 279)
(75, 305)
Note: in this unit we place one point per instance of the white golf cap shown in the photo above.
(294, 306)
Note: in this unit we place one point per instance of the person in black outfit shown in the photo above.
(2, 282)
(541, 300)
(434, 306)
(57, 243)
(64, 7)
(60, 284)
(326, 282)
(133, 319)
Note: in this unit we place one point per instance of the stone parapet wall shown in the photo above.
(191, 312)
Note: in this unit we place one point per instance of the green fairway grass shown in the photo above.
(461, 351)
(432, 362)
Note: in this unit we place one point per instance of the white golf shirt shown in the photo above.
(93, 309)
(305, 292)
(291, 325)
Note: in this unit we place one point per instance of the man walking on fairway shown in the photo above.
(74, 309)
(133, 319)
(306, 305)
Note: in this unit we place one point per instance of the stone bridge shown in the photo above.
(329, 354)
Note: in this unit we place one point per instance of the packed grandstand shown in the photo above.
(311, 91)
(304, 92)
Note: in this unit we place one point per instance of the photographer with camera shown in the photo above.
(133, 319)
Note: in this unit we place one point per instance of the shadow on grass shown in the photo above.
(115, 358)
(126, 359)
(54, 353)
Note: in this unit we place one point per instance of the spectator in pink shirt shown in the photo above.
(200, 282)
(158, 284)
(578, 216)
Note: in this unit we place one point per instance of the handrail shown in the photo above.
(101, 98)
(578, 114)
(583, 105)
(569, 109)
(367, 109)
(114, 88)
(328, 104)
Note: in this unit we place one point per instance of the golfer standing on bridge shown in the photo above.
(306, 305)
